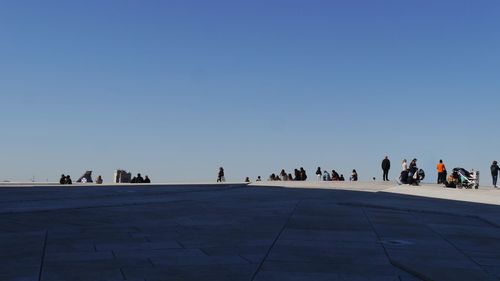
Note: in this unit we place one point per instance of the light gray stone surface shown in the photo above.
(239, 232)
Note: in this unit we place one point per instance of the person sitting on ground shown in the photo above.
(147, 180)
(140, 179)
(412, 172)
(247, 179)
(297, 175)
(283, 175)
(326, 176)
(258, 179)
(98, 180)
(290, 178)
(303, 175)
(341, 178)
(451, 182)
(133, 180)
(335, 176)
(272, 177)
(63, 179)
(354, 175)
(68, 180)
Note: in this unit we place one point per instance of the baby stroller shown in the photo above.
(466, 179)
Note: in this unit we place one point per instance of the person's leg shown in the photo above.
(495, 180)
(439, 178)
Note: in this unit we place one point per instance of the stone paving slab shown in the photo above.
(247, 233)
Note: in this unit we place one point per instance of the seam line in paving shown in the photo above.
(451, 243)
(275, 240)
(43, 255)
(395, 264)
(433, 212)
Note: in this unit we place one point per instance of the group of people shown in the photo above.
(410, 173)
(334, 176)
(65, 179)
(140, 179)
(299, 175)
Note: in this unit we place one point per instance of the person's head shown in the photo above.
(354, 171)
(147, 177)
(495, 162)
(414, 160)
(441, 161)
(62, 176)
(138, 175)
(258, 177)
(374, 178)
(404, 160)
(221, 168)
(386, 157)
(68, 177)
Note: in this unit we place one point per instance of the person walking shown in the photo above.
(441, 170)
(404, 166)
(386, 166)
(220, 176)
(494, 172)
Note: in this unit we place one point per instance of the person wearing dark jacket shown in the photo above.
(63, 179)
(303, 175)
(297, 175)
(220, 176)
(318, 173)
(147, 180)
(140, 179)
(494, 172)
(386, 166)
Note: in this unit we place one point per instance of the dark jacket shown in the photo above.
(494, 170)
(386, 164)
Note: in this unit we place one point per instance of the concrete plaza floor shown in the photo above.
(293, 231)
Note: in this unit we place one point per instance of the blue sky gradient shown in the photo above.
(175, 89)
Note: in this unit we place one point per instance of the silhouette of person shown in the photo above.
(220, 176)
(386, 166)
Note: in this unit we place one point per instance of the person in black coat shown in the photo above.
(386, 166)
(494, 172)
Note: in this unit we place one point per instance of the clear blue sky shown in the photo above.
(175, 89)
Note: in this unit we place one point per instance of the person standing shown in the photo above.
(220, 176)
(318, 173)
(386, 166)
(404, 166)
(494, 172)
(441, 170)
